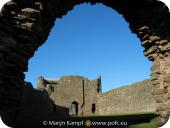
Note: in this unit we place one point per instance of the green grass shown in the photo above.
(144, 125)
(134, 120)
(118, 114)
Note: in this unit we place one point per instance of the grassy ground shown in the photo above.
(118, 114)
(144, 125)
(133, 120)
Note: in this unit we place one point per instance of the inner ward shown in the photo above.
(87, 62)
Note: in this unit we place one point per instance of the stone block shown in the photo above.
(163, 42)
(150, 50)
(165, 47)
(10, 9)
(164, 113)
(155, 68)
(144, 29)
(158, 91)
(30, 12)
(27, 25)
(167, 89)
(141, 34)
(144, 38)
(154, 38)
(152, 56)
(155, 77)
(166, 78)
(163, 107)
(161, 98)
(146, 43)
(38, 5)
(23, 18)
(11, 5)
(167, 62)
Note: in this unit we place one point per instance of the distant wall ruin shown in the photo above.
(136, 98)
(70, 89)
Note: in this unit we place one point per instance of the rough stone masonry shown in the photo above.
(89, 100)
(25, 26)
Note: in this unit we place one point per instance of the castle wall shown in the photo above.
(136, 98)
(129, 99)
(69, 89)
(36, 104)
(90, 96)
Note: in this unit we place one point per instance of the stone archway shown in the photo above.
(25, 25)
(73, 110)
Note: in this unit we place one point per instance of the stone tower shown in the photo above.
(76, 93)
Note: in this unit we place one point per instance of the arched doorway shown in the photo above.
(73, 110)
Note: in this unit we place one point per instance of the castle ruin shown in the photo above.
(25, 26)
(83, 97)
(76, 93)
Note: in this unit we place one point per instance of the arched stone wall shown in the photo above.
(25, 25)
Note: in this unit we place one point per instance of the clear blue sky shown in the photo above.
(91, 41)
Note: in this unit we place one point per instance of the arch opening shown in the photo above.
(112, 46)
(33, 20)
(92, 45)
(73, 110)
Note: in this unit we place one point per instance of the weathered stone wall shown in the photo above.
(69, 89)
(37, 105)
(25, 25)
(35, 102)
(92, 89)
(136, 98)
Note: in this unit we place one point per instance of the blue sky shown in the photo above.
(91, 41)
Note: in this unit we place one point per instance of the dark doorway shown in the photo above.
(73, 110)
(93, 109)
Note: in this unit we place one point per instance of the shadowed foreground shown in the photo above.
(115, 121)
